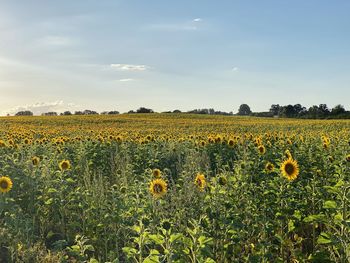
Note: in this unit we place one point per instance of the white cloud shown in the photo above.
(42, 107)
(234, 69)
(126, 80)
(57, 41)
(129, 67)
(197, 19)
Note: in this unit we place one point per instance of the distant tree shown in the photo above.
(244, 110)
(144, 110)
(24, 113)
(78, 113)
(176, 111)
(299, 110)
(113, 112)
(90, 112)
(313, 112)
(275, 109)
(51, 113)
(288, 111)
(66, 113)
(323, 110)
(339, 109)
(131, 111)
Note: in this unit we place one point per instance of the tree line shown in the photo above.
(320, 111)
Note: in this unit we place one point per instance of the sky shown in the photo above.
(167, 55)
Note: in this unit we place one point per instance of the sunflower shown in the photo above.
(35, 160)
(261, 149)
(288, 154)
(157, 173)
(64, 165)
(158, 188)
(202, 143)
(231, 142)
(200, 181)
(290, 169)
(348, 157)
(269, 167)
(5, 184)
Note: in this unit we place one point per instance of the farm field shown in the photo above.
(174, 188)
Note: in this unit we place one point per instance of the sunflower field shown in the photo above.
(174, 188)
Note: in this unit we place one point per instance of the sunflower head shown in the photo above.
(158, 188)
(157, 173)
(35, 160)
(64, 165)
(269, 167)
(261, 149)
(348, 157)
(288, 154)
(200, 181)
(231, 142)
(2, 143)
(290, 169)
(5, 184)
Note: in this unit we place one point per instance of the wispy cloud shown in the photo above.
(197, 19)
(234, 69)
(173, 27)
(56, 41)
(42, 107)
(129, 67)
(126, 80)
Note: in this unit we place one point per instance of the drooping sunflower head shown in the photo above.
(261, 149)
(35, 160)
(5, 184)
(64, 165)
(157, 173)
(290, 169)
(348, 157)
(288, 154)
(200, 181)
(158, 188)
(269, 167)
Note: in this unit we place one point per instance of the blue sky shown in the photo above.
(166, 55)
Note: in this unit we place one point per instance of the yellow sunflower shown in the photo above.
(35, 160)
(158, 188)
(290, 169)
(269, 167)
(231, 142)
(157, 173)
(261, 149)
(64, 165)
(200, 181)
(5, 184)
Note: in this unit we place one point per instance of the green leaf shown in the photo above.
(324, 239)
(291, 226)
(315, 218)
(89, 248)
(330, 205)
(49, 201)
(130, 251)
(158, 239)
(52, 190)
(137, 229)
(175, 237)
